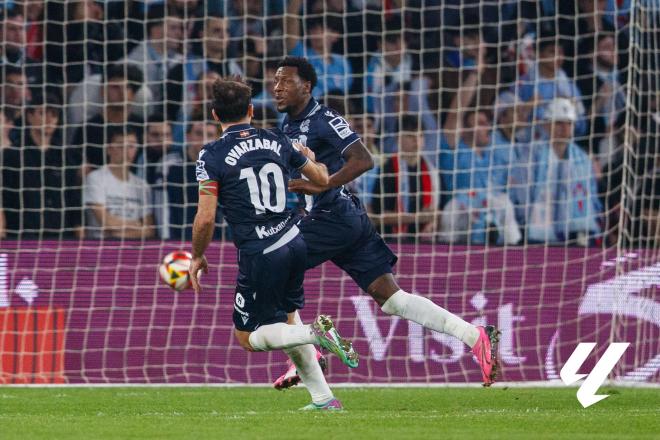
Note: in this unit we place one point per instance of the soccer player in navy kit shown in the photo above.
(247, 171)
(337, 227)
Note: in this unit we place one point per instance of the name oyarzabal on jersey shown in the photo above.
(251, 145)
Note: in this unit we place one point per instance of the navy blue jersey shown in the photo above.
(252, 169)
(328, 135)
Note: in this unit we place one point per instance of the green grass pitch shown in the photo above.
(378, 413)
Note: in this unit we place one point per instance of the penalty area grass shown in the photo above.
(371, 413)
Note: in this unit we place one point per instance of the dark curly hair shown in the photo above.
(305, 70)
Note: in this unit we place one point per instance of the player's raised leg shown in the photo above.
(281, 335)
(395, 301)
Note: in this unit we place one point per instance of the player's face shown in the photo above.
(290, 90)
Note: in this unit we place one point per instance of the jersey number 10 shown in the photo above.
(261, 200)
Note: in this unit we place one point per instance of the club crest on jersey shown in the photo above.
(341, 127)
(304, 127)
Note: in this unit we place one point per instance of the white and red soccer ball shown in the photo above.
(174, 270)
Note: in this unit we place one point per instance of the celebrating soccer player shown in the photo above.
(337, 227)
(247, 170)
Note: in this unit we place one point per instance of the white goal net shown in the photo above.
(517, 178)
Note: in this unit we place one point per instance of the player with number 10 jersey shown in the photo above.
(247, 171)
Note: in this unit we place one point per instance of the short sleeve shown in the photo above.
(93, 192)
(337, 131)
(205, 168)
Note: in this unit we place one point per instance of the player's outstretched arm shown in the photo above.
(203, 227)
(358, 160)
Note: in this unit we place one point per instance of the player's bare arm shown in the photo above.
(203, 227)
(316, 172)
(358, 160)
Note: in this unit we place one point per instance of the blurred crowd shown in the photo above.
(491, 122)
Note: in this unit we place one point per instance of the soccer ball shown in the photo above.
(174, 270)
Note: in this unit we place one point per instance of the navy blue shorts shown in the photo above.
(269, 285)
(347, 237)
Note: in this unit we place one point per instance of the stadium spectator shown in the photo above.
(469, 159)
(158, 143)
(117, 202)
(408, 97)
(34, 13)
(646, 226)
(39, 198)
(183, 79)
(333, 70)
(405, 199)
(547, 80)
(159, 52)
(512, 125)
(153, 164)
(190, 8)
(254, 59)
(80, 40)
(387, 70)
(197, 103)
(599, 84)
(474, 171)
(365, 126)
(15, 92)
(355, 41)
(558, 193)
(122, 82)
(182, 187)
(264, 117)
(247, 22)
(6, 127)
(464, 53)
(266, 98)
(13, 47)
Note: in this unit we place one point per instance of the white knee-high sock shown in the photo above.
(281, 335)
(297, 319)
(309, 370)
(425, 312)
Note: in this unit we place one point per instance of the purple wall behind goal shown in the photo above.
(124, 326)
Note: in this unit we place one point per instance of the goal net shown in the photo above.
(517, 177)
